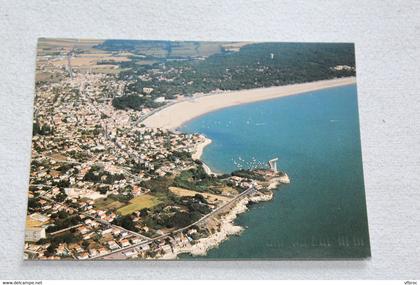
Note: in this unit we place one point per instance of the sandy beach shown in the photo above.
(200, 148)
(198, 152)
(177, 114)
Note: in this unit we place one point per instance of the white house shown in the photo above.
(147, 90)
(159, 100)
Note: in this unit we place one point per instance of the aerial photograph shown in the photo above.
(195, 150)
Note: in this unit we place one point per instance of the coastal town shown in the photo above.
(106, 183)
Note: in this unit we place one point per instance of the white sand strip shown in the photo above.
(178, 114)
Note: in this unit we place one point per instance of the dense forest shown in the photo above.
(134, 101)
(253, 66)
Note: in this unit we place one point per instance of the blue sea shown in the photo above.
(315, 135)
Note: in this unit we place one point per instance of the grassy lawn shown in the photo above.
(138, 203)
(146, 61)
(229, 191)
(107, 203)
(212, 198)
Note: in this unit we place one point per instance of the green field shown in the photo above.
(107, 204)
(146, 61)
(138, 203)
(165, 49)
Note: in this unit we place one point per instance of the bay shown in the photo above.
(315, 135)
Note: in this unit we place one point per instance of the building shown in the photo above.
(147, 90)
(159, 100)
(113, 245)
(125, 243)
(273, 164)
(34, 234)
(39, 217)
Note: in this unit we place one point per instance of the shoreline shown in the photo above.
(227, 229)
(177, 114)
(198, 152)
(203, 245)
(227, 226)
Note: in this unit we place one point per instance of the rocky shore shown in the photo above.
(227, 225)
(227, 228)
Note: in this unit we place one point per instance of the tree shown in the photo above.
(103, 190)
(128, 101)
(126, 222)
(143, 212)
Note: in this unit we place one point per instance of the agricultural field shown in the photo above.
(48, 76)
(91, 59)
(235, 47)
(106, 57)
(168, 49)
(146, 61)
(85, 57)
(61, 46)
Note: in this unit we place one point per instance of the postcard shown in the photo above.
(191, 150)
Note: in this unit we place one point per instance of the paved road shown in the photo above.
(202, 219)
(99, 220)
(147, 240)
